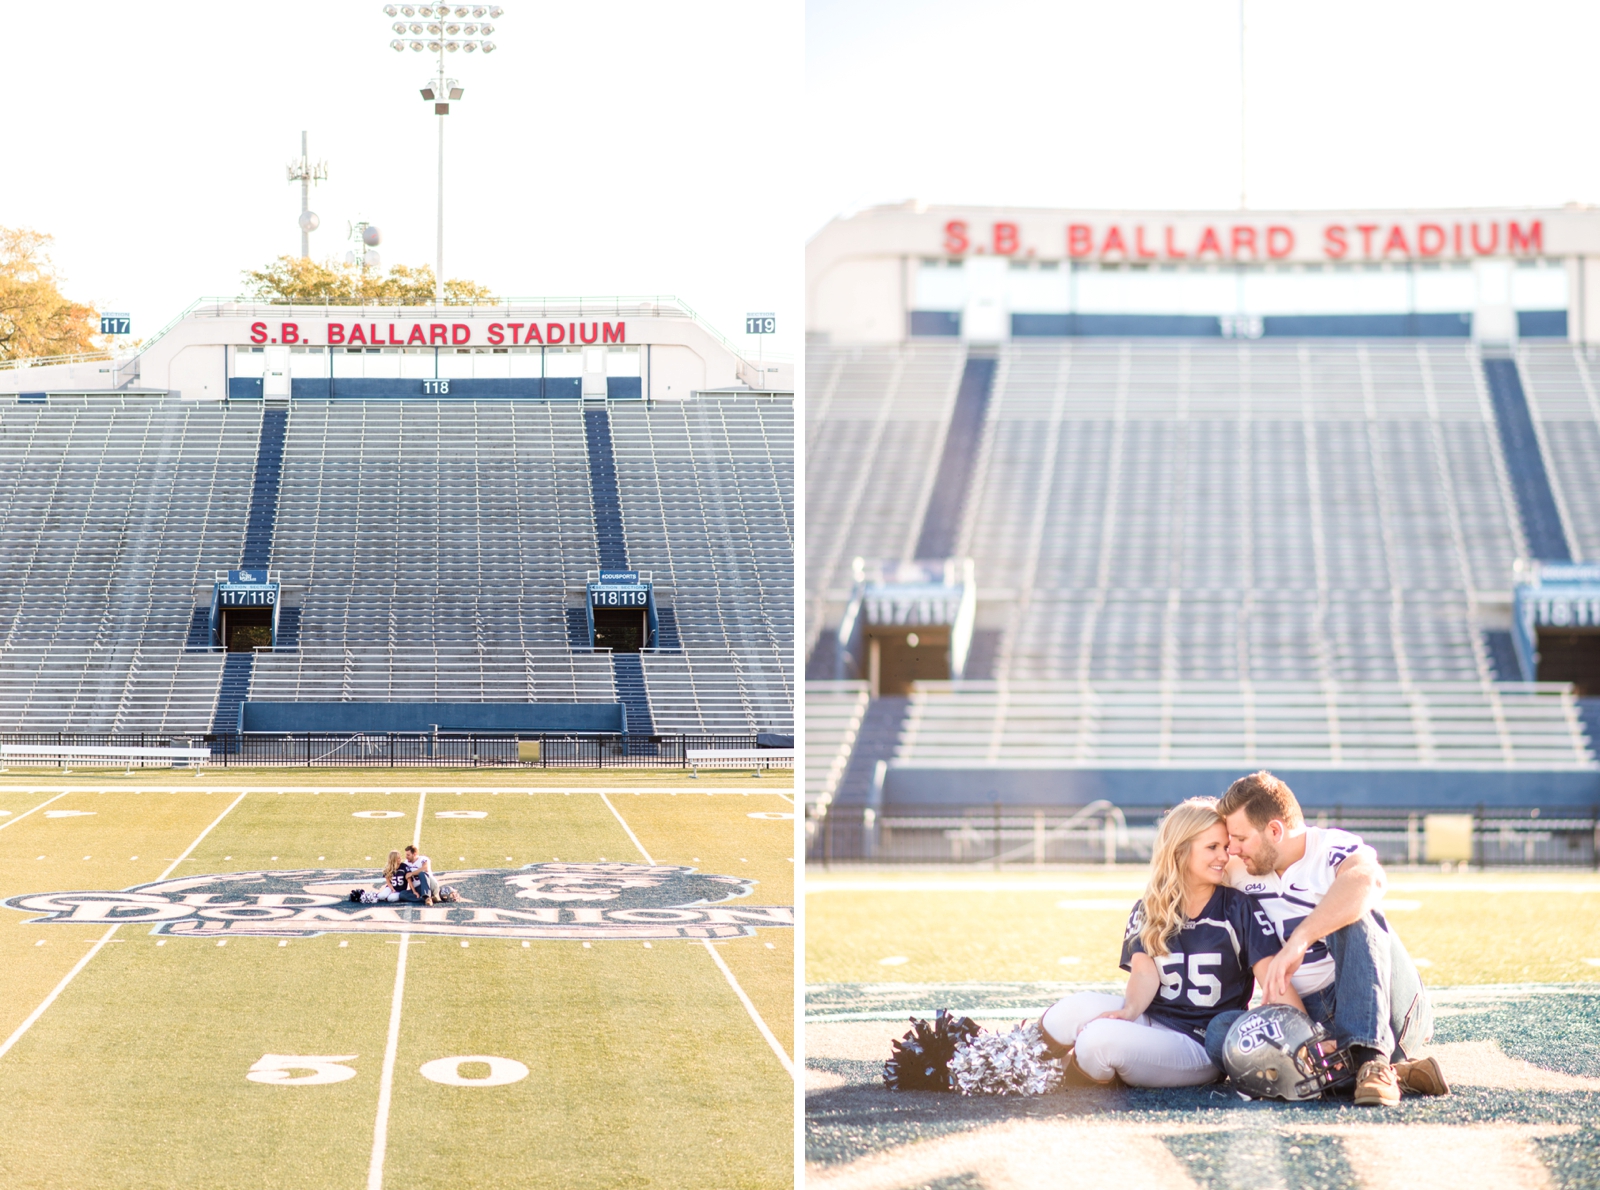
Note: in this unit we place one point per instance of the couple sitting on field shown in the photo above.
(408, 879)
(1243, 891)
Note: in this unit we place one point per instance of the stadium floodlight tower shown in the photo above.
(442, 29)
(306, 172)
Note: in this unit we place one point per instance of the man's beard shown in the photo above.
(1264, 861)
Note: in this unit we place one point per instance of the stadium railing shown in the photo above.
(1015, 837)
(393, 750)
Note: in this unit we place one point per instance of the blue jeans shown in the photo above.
(423, 884)
(1376, 998)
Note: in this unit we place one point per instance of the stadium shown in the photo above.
(1108, 508)
(291, 587)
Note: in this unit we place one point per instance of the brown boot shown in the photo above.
(1076, 1076)
(1421, 1077)
(1376, 1085)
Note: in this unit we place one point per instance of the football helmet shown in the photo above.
(1278, 1052)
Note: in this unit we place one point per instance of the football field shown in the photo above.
(190, 1000)
(1511, 959)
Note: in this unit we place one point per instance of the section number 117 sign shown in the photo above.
(760, 324)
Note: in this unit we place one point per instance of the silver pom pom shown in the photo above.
(1014, 1063)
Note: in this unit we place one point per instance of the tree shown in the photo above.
(296, 280)
(35, 318)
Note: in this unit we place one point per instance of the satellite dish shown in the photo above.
(371, 236)
(372, 261)
(309, 221)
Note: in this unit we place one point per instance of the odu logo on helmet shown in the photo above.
(1257, 1030)
(554, 900)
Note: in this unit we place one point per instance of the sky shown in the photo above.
(1137, 104)
(617, 148)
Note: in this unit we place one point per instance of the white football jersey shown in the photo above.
(1288, 900)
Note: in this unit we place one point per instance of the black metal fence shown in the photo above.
(389, 750)
(1005, 837)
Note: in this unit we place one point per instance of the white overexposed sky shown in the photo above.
(1136, 104)
(617, 148)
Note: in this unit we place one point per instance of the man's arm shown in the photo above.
(1357, 888)
(1289, 997)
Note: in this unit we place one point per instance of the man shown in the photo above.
(1320, 888)
(421, 872)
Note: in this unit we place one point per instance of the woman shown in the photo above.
(1191, 947)
(396, 878)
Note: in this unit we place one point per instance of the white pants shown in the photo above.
(387, 894)
(1141, 1052)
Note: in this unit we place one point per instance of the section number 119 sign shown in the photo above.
(760, 324)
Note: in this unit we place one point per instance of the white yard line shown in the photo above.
(733, 983)
(716, 958)
(40, 806)
(391, 1046)
(104, 938)
(629, 829)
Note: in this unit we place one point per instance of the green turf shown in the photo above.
(645, 1069)
(964, 926)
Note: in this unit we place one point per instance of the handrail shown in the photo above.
(41, 361)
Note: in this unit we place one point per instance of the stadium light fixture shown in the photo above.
(446, 35)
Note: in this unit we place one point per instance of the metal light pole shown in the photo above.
(440, 25)
(305, 171)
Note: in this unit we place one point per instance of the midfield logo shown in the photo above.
(583, 901)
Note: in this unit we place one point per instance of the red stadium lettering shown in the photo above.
(391, 340)
(585, 327)
(1532, 242)
(372, 332)
(1280, 241)
(1173, 250)
(533, 335)
(438, 333)
(1005, 239)
(460, 333)
(497, 334)
(335, 333)
(1494, 240)
(1243, 237)
(1080, 240)
(1209, 243)
(358, 333)
(1114, 242)
(955, 237)
(258, 332)
(1397, 239)
(1138, 242)
(289, 332)
(610, 334)
(1333, 242)
(554, 332)
(1430, 239)
(572, 332)
(515, 327)
(1458, 239)
(1366, 230)
(416, 335)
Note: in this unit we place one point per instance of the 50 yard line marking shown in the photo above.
(391, 1045)
(106, 937)
(749, 1007)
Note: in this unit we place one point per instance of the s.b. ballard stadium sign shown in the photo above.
(335, 333)
(555, 900)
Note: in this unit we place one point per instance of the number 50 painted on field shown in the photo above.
(311, 1070)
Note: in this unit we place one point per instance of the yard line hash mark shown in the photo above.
(38, 1012)
(727, 973)
(380, 1127)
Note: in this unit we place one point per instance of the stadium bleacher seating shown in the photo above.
(1200, 551)
(428, 550)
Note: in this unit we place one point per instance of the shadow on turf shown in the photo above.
(1556, 1032)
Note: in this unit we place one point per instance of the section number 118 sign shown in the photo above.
(760, 324)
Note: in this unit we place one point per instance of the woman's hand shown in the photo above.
(1125, 1013)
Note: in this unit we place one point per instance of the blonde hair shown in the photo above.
(392, 866)
(1162, 904)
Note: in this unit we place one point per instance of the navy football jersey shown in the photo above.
(397, 880)
(1209, 966)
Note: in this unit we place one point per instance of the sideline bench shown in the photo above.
(754, 759)
(100, 757)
